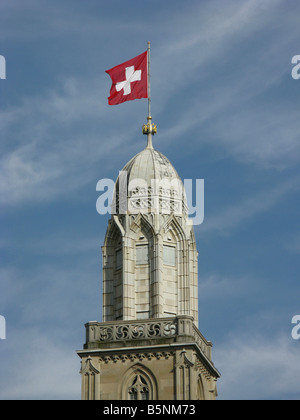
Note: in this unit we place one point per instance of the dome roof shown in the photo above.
(149, 175)
(150, 164)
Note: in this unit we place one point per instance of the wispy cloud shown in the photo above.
(47, 368)
(254, 366)
(42, 291)
(233, 216)
(56, 145)
(233, 104)
(50, 139)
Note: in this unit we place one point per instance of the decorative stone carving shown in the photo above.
(132, 357)
(132, 331)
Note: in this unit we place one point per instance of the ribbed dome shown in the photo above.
(150, 164)
(150, 174)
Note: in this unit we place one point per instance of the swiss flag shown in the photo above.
(129, 80)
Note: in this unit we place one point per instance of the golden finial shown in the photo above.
(149, 128)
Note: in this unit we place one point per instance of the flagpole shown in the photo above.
(149, 129)
(149, 90)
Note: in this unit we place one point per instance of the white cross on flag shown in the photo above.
(129, 80)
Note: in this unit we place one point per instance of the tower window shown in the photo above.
(139, 390)
(142, 254)
(169, 255)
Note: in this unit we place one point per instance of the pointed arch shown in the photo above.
(141, 253)
(172, 222)
(140, 222)
(176, 290)
(138, 383)
(90, 380)
(114, 230)
(112, 260)
(88, 367)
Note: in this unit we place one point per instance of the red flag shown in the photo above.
(129, 80)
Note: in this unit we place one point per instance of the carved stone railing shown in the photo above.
(116, 333)
(131, 330)
(205, 346)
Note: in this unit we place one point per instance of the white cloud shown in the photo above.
(38, 367)
(254, 366)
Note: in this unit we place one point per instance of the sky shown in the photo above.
(227, 111)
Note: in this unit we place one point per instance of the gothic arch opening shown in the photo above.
(170, 272)
(142, 235)
(138, 384)
(175, 258)
(142, 276)
(112, 273)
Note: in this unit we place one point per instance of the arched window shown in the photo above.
(139, 389)
(142, 278)
(138, 384)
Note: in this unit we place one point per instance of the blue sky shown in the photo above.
(227, 111)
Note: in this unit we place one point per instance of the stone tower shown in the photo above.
(148, 346)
